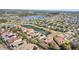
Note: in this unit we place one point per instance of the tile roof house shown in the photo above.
(62, 37)
(6, 35)
(23, 29)
(18, 26)
(12, 41)
(2, 30)
(29, 30)
(41, 36)
(18, 44)
(31, 46)
(68, 35)
(59, 39)
(45, 39)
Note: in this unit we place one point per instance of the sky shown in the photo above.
(40, 4)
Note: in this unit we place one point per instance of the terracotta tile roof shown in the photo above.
(30, 46)
(48, 40)
(11, 40)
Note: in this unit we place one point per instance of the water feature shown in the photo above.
(37, 29)
(34, 17)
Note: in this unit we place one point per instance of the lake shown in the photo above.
(37, 29)
(34, 17)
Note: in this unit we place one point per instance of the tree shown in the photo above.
(1, 42)
(66, 45)
(3, 20)
(34, 40)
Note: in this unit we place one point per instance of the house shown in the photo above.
(17, 44)
(6, 35)
(18, 26)
(59, 39)
(47, 40)
(31, 46)
(37, 33)
(29, 30)
(23, 29)
(12, 41)
(68, 35)
(2, 30)
(41, 36)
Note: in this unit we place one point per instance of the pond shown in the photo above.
(34, 17)
(37, 29)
